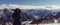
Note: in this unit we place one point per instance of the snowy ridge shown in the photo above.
(45, 24)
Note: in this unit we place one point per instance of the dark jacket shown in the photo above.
(16, 16)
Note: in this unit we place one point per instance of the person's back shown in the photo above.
(16, 17)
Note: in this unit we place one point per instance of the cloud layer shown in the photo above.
(13, 6)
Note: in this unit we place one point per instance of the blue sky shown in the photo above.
(31, 2)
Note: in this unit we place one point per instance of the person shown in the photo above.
(16, 16)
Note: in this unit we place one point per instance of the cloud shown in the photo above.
(25, 6)
(13, 6)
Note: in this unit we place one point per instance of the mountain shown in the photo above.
(40, 13)
(24, 15)
(30, 14)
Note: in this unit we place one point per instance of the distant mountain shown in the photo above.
(8, 14)
(40, 13)
(31, 14)
(24, 15)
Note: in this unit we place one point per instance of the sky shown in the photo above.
(29, 4)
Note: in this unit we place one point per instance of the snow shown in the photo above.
(45, 24)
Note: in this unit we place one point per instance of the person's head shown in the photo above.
(17, 10)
